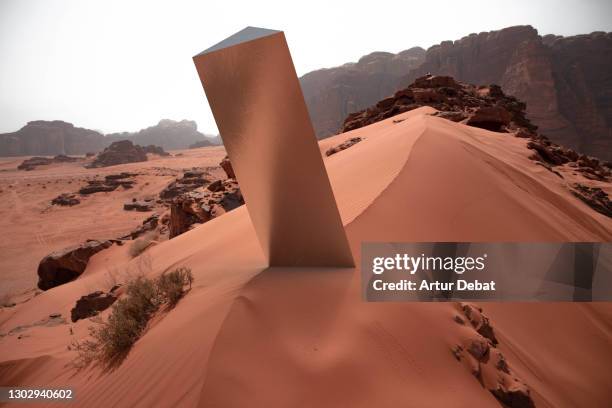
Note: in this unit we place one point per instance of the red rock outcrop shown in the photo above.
(121, 152)
(198, 207)
(563, 80)
(486, 107)
(92, 304)
(33, 162)
(66, 265)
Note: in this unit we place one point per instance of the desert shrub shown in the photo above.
(111, 340)
(142, 243)
(172, 284)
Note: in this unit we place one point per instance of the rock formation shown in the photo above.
(121, 152)
(49, 138)
(67, 264)
(331, 94)
(110, 183)
(155, 150)
(92, 304)
(198, 207)
(169, 134)
(33, 162)
(191, 180)
(65, 199)
(479, 353)
(563, 80)
(139, 205)
(486, 107)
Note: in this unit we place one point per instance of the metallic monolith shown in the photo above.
(256, 99)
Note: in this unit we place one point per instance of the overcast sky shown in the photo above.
(123, 65)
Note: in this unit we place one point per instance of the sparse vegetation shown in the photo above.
(141, 244)
(111, 340)
(171, 285)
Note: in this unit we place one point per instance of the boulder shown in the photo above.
(92, 304)
(65, 199)
(139, 205)
(493, 118)
(65, 265)
(226, 165)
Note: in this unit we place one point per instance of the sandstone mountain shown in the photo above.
(565, 81)
(50, 138)
(331, 94)
(168, 134)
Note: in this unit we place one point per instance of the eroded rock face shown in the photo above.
(198, 207)
(563, 80)
(67, 264)
(92, 304)
(190, 181)
(331, 94)
(120, 152)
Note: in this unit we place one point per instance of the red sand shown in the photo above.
(250, 336)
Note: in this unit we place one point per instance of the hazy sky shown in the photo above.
(123, 65)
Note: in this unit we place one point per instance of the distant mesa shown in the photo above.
(201, 143)
(168, 134)
(50, 138)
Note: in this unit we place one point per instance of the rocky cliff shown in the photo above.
(331, 94)
(565, 82)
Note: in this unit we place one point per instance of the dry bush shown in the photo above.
(171, 285)
(141, 244)
(111, 340)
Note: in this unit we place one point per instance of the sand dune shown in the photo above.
(247, 335)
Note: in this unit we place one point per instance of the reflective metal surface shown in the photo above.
(257, 102)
